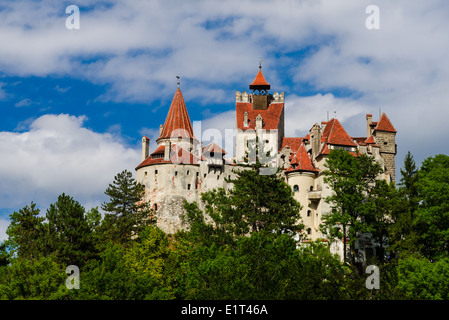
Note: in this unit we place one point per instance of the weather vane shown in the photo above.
(260, 63)
(177, 77)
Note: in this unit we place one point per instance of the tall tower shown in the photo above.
(385, 135)
(259, 112)
(177, 128)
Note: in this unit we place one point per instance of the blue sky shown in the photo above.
(75, 103)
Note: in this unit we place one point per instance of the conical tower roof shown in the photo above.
(384, 124)
(177, 123)
(259, 82)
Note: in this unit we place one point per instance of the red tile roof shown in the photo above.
(302, 160)
(334, 133)
(177, 121)
(360, 140)
(149, 161)
(259, 81)
(213, 147)
(178, 155)
(270, 117)
(384, 124)
(159, 150)
(370, 140)
(292, 143)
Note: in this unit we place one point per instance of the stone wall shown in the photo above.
(387, 144)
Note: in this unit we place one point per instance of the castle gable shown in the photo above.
(335, 134)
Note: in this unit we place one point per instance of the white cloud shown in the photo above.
(137, 47)
(57, 154)
(4, 223)
(23, 103)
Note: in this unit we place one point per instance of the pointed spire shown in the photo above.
(177, 123)
(259, 82)
(384, 124)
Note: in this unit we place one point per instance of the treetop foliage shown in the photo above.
(241, 245)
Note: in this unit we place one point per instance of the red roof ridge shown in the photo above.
(334, 133)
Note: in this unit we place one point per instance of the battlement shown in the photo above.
(248, 97)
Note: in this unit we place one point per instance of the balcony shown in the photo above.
(314, 195)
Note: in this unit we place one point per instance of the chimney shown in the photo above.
(145, 147)
(315, 139)
(323, 125)
(167, 151)
(161, 127)
(245, 119)
(369, 119)
(259, 122)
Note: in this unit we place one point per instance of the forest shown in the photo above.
(245, 249)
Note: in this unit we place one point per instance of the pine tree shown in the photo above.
(256, 202)
(379, 210)
(25, 225)
(69, 237)
(126, 212)
(403, 232)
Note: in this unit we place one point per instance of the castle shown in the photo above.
(182, 168)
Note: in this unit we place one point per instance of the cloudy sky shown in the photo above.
(75, 102)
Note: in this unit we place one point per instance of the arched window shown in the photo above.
(311, 188)
(309, 231)
(155, 207)
(309, 213)
(296, 188)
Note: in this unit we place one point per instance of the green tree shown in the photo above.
(126, 212)
(5, 255)
(403, 236)
(41, 278)
(68, 237)
(418, 278)
(255, 202)
(25, 225)
(378, 212)
(432, 216)
(351, 178)
(260, 266)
